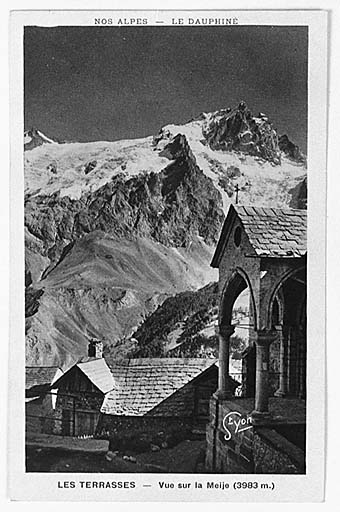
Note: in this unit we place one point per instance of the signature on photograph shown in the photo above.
(235, 422)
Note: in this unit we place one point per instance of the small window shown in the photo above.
(237, 236)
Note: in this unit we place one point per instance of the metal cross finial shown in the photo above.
(237, 189)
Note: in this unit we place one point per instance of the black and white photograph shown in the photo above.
(166, 188)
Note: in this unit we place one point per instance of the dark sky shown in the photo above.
(108, 83)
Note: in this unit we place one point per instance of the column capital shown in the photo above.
(224, 330)
(265, 337)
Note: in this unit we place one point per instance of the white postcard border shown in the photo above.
(309, 487)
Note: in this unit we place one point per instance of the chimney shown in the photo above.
(95, 348)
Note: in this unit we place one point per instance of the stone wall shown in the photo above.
(252, 450)
(140, 434)
(109, 425)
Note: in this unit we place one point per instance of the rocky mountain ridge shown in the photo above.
(170, 207)
(239, 130)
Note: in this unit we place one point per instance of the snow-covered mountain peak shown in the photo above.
(236, 130)
(231, 146)
(73, 169)
(238, 150)
(34, 138)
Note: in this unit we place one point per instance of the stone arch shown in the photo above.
(275, 292)
(234, 286)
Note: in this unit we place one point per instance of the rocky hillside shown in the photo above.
(184, 326)
(177, 322)
(114, 228)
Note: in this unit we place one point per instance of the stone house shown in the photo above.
(265, 251)
(102, 396)
(80, 394)
(159, 394)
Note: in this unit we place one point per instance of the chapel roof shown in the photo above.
(272, 232)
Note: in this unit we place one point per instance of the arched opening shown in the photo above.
(238, 309)
(238, 283)
(288, 357)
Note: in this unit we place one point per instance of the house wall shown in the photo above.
(77, 414)
(192, 400)
(78, 405)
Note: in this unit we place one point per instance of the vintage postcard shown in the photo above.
(168, 194)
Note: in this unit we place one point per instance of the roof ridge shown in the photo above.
(275, 208)
(272, 232)
(54, 366)
(144, 361)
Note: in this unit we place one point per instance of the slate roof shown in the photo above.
(41, 376)
(98, 373)
(272, 232)
(144, 383)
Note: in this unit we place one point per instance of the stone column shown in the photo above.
(289, 359)
(302, 370)
(263, 340)
(283, 387)
(224, 332)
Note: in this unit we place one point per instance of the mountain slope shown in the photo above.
(104, 288)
